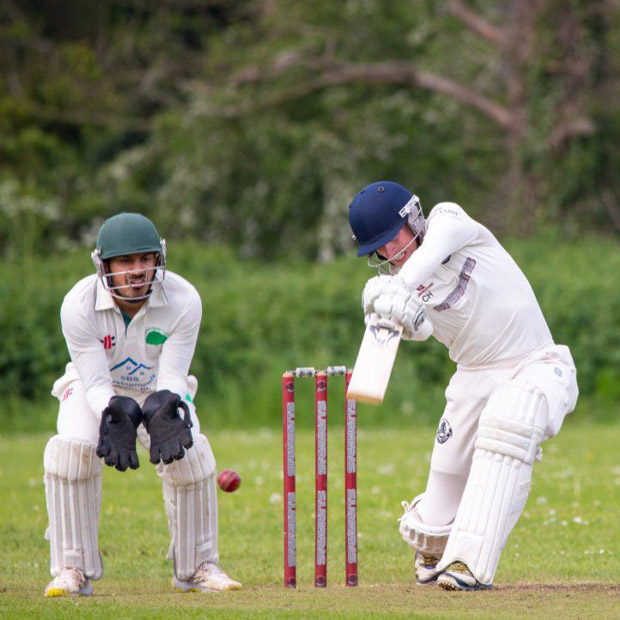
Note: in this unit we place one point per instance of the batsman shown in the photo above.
(131, 332)
(512, 388)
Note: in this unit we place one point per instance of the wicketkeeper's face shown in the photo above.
(400, 248)
(132, 275)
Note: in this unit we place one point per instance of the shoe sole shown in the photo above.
(427, 582)
(195, 589)
(61, 592)
(459, 586)
(187, 589)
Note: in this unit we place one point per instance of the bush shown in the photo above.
(261, 319)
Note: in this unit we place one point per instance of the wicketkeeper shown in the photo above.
(511, 391)
(131, 331)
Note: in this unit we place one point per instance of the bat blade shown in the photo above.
(373, 367)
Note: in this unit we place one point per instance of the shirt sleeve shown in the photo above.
(87, 355)
(178, 350)
(449, 229)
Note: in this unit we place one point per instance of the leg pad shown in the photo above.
(73, 497)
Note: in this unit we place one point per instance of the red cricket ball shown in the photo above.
(229, 480)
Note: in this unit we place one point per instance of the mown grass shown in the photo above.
(562, 561)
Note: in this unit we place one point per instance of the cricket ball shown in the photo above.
(229, 480)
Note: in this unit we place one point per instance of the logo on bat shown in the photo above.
(383, 335)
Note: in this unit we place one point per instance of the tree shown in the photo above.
(254, 122)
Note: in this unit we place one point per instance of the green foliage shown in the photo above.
(254, 122)
(261, 319)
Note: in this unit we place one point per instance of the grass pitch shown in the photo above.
(562, 560)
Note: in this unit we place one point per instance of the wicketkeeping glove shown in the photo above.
(170, 433)
(117, 433)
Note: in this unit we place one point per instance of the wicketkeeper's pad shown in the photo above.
(73, 496)
(190, 496)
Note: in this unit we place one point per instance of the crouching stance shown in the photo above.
(131, 337)
(511, 391)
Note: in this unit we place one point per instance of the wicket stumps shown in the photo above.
(320, 462)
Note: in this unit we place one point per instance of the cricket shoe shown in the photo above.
(426, 572)
(458, 577)
(207, 578)
(69, 582)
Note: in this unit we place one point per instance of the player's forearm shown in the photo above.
(92, 368)
(174, 366)
(98, 397)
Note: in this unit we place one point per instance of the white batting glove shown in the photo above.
(423, 331)
(396, 302)
(374, 287)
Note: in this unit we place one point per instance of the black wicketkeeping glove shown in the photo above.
(169, 432)
(117, 433)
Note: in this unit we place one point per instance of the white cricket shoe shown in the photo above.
(426, 572)
(207, 578)
(458, 577)
(69, 582)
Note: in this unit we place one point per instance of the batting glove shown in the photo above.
(373, 289)
(398, 303)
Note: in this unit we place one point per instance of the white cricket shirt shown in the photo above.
(479, 302)
(153, 352)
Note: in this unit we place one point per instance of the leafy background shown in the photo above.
(243, 129)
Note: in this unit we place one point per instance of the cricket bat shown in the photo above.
(373, 367)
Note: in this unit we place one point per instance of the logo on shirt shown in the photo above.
(108, 342)
(424, 292)
(131, 367)
(155, 335)
(444, 432)
(132, 374)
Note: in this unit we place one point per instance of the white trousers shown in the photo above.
(551, 369)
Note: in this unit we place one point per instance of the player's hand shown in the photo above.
(170, 433)
(396, 302)
(117, 433)
(373, 289)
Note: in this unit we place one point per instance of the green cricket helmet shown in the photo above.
(124, 234)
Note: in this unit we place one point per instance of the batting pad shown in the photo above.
(427, 539)
(73, 497)
(190, 496)
(511, 428)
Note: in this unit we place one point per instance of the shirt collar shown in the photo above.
(103, 299)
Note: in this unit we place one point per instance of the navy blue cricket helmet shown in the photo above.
(379, 211)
